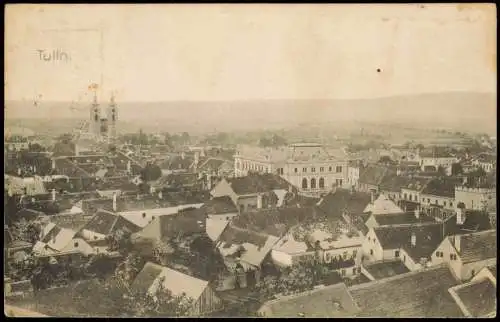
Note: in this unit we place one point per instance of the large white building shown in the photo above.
(308, 166)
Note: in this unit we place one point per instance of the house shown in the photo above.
(333, 301)
(413, 244)
(24, 186)
(340, 202)
(253, 191)
(163, 227)
(436, 159)
(338, 246)
(383, 269)
(221, 207)
(422, 293)
(353, 170)
(403, 218)
(142, 218)
(177, 182)
(410, 194)
(149, 279)
(105, 223)
(57, 241)
(477, 298)
(485, 161)
(216, 167)
(467, 254)
(244, 252)
(437, 198)
(391, 186)
(292, 249)
(382, 205)
(475, 197)
(372, 176)
(176, 164)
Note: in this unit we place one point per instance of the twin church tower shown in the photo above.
(103, 125)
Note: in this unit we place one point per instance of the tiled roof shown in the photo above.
(28, 214)
(416, 184)
(477, 298)
(422, 293)
(256, 246)
(386, 269)
(276, 221)
(443, 187)
(334, 204)
(177, 163)
(493, 270)
(373, 174)
(212, 164)
(327, 302)
(143, 217)
(477, 246)
(428, 238)
(106, 223)
(176, 180)
(174, 281)
(394, 183)
(220, 205)
(255, 183)
(401, 219)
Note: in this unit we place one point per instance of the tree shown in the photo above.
(185, 138)
(151, 172)
(385, 159)
(120, 241)
(35, 147)
(129, 268)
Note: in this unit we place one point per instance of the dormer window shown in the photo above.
(143, 215)
(76, 244)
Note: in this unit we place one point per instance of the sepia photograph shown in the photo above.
(250, 160)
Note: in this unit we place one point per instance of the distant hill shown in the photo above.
(460, 111)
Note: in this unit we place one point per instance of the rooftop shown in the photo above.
(255, 183)
(385, 269)
(336, 203)
(476, 246)
(422, 293)
(477, 298)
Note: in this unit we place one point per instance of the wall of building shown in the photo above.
(436, 162)
(281, 259)
(469, 270)
(476, 198)
(370, 244)
(447, 249)
(207, 303)
(446, 202)
(409, 262)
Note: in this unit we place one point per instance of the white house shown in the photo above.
(467, 254)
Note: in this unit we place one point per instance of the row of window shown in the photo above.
(321, 183)
(329, 257)
(410, 197)
(338, 169)
(253, 167)
(355, 270)
(453, 257)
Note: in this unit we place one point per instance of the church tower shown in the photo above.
(95, 117)
(112, 115)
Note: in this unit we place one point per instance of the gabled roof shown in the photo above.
(476, 298)
(327, 302)
(383, 205)
(105, 223)
(275, 221)
(428, 237)
(373, 174)
(176, 180)
(176, 282)
(256, 245)
(184, 222)
(255, 183)
(477, 246)
(220, 205)
(394, 183)
(215, 227)
(422, 293)
(212, 164)
(336, 203)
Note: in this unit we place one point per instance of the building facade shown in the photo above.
(309, 167)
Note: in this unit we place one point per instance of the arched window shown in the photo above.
(313, 183)
(321, 183)
(304, 183)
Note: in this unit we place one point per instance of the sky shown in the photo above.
(246, 52)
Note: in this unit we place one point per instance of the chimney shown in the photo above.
(53, 164)
(413, 239)
(77, 150)
(372, 194)
(160, 194)
(53, 194)
(19, 171)
(457, 242)
(114, 202)
(129, 167)
(259, 201)
(183, 155)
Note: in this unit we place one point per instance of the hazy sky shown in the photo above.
(226, 52)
